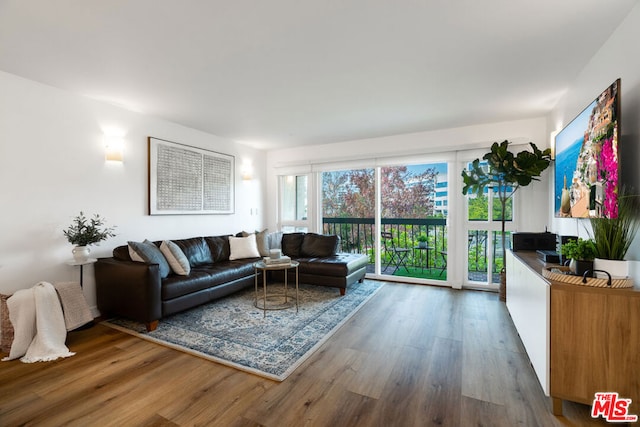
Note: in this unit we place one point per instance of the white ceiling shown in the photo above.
(278, 73)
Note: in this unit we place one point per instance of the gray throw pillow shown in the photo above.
(152, 255)
(275, 240)
(262, 240)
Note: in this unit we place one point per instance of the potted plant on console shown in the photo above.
(505, 173)
(613, 236)
(581, 253)
(84, 232)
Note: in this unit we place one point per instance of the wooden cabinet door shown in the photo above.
(595, 344)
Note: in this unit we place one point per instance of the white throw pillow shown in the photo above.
(243, 247)
(175, 257)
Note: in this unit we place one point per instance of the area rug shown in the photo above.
(233, 332)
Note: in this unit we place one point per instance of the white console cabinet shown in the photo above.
(528, 302)
(580, 339)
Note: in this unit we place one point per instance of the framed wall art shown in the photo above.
(189, 180)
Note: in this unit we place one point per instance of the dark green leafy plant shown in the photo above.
(613, 236)
(580, 249)
(84, 231)
(505, 173)
(422, 237)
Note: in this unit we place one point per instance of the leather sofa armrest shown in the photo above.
(129, 289)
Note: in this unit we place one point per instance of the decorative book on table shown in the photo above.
(277, 261)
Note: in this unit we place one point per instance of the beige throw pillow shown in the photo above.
(175, 257)
(243, 247)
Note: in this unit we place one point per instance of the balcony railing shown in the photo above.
(358, 236)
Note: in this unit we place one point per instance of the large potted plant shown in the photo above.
(505, 173)
(613, 236)
(84, 232)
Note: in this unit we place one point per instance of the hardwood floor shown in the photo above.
(412, 356)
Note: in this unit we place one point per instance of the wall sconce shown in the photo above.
(246, 171)
(552, 143)
(113, 148)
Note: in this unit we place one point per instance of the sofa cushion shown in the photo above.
(149, 253)
(204, 277)
(122, 253)
(196, 250)
(219, 247)
(243, 247)
(317, 245)
(175, 257)
(339, 265)
(291, 243)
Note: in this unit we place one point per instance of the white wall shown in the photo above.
(617, 58)
(52, 166)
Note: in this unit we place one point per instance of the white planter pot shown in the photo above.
(618, 269)
(81, 253)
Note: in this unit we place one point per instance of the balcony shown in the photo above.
(358, 236)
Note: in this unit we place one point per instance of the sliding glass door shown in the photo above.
(484, 225)
(414, 207)
(408, 226)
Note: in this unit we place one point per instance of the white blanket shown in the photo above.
(38, 323)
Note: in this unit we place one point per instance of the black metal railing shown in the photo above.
(358, 235)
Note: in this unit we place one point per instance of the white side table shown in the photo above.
(82, 263)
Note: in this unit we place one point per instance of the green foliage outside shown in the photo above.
(479, 209)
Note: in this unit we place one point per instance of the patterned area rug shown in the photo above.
(232, 331)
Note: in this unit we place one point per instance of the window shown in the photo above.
(294, 206)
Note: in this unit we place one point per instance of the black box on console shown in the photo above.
(533, 241)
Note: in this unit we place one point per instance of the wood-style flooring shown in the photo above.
(412, 356)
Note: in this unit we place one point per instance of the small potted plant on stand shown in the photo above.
(505, 173)
(422, 240)
(581, 253)
(84, 232)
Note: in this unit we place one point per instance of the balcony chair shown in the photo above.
(443, 254)
(398, 255)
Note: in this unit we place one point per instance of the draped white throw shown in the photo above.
(38, 323)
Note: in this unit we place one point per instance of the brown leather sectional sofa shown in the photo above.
(136, 290)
